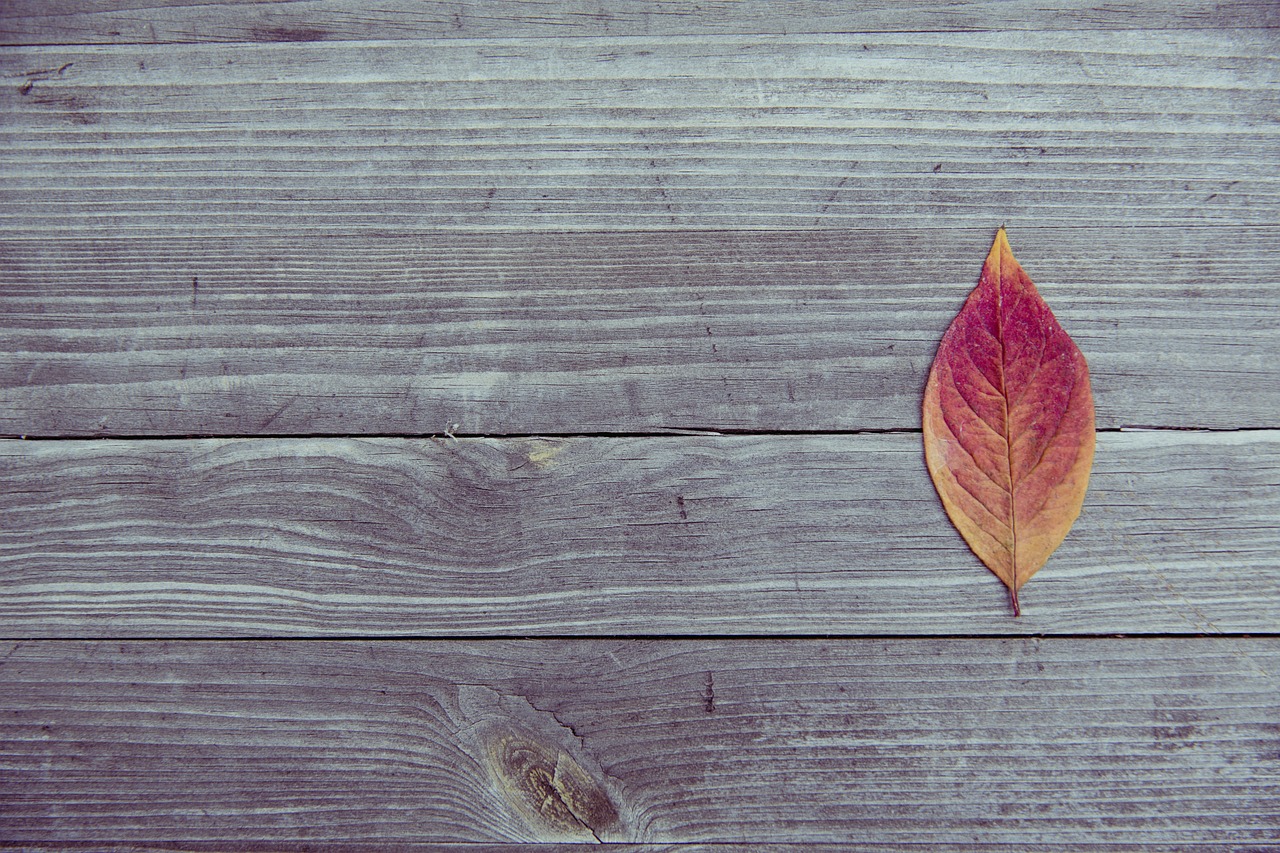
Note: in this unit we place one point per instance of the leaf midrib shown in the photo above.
(1008, 445)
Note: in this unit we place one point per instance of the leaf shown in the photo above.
(1008, 423)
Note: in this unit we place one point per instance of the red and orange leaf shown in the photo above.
(1008, 423)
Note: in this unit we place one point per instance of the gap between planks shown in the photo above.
(671, 433)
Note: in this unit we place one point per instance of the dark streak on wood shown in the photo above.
(286, 34)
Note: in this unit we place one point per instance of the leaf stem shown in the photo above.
(1013, 599)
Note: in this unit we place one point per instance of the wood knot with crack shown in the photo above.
(548, 787)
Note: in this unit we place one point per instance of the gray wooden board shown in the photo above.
(501, 333)
(1167, 127)
(149, 22)
(963, 744)
(811, 535)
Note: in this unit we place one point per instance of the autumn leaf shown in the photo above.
(1008, 423)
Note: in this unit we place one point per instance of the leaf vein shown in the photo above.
(982, 504)
(1057, 432)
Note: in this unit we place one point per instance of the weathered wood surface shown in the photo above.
(681, 535)
(511, 219)
(149, 22)
(564, 333)
(763, 132)
(960, 744)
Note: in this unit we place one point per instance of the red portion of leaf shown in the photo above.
(1009, 423)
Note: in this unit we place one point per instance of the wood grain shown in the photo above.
(568, 333)
(962, 744)
(309, 218)
(768, 535)
(149, 22)
(673, 133)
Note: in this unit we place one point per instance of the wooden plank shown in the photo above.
(149, 22)
(958, 744)
(673, 133)
(811, 535)
(567, 333)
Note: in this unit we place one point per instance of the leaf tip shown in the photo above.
(1000, 245)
